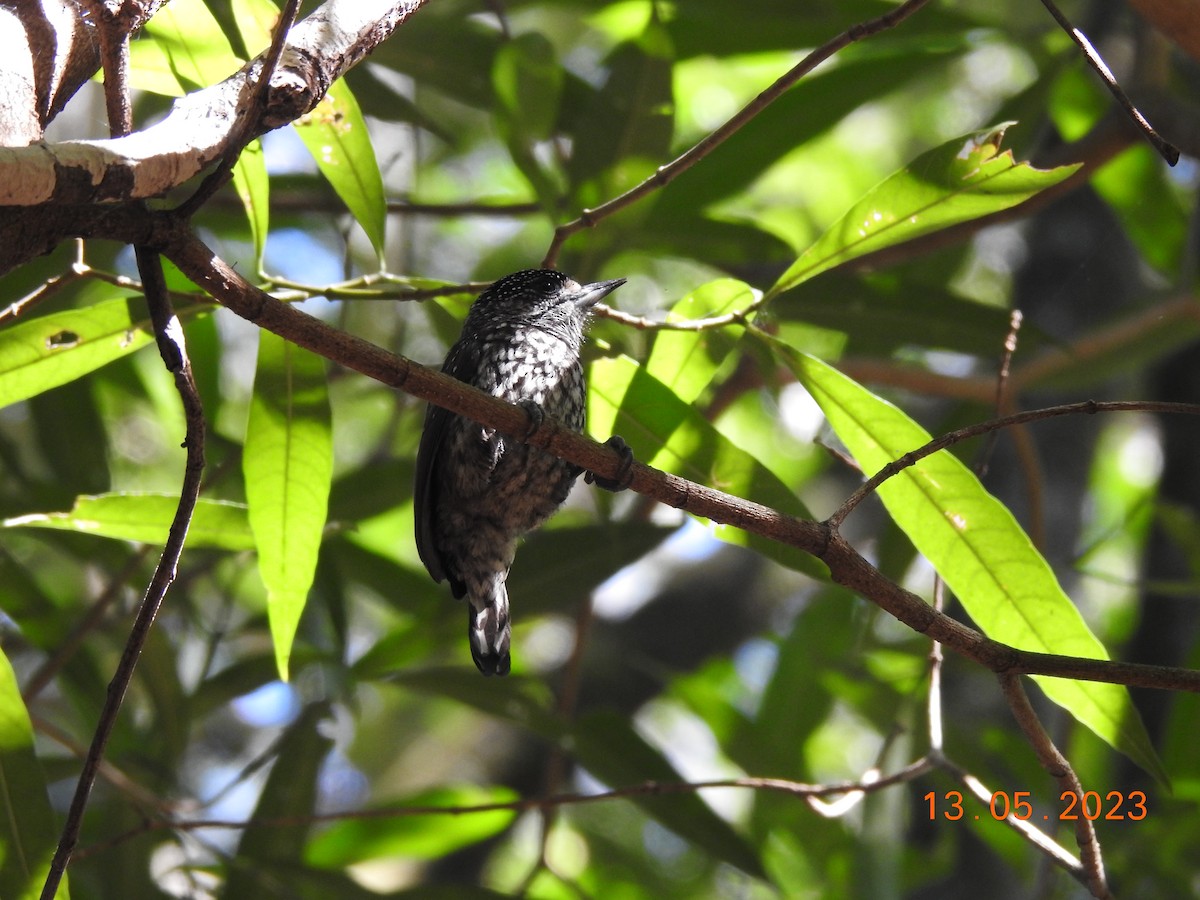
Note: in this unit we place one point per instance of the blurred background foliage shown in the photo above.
(646, 647)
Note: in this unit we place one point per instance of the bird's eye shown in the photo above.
(547, 283)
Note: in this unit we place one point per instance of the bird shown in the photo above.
(476, 491)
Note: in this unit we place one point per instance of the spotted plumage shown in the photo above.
(478, 491)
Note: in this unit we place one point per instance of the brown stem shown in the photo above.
(1057, 765)
(174, 353)
(1165, 149)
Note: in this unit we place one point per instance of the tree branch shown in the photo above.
(847, 567)
(203, 124)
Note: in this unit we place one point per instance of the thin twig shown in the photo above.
(1085, 407)
(936, 655)
(844, 803)
(933, 705)
(365, 287)
(135, 792)
(114, 59)
(1166, 150)
(649, 788)
(171, 347)
(1060, 769)
(1030, 832)
(43, 291)
(1000, 403)
(665, 174)
(737, 317)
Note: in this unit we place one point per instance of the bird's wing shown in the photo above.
(463, 364)
(425, 499)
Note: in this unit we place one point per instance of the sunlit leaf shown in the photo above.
(528, 84)
(963, 179)
(188, 50)
(28, 832)
(665, 432)
(146, 518)
(253, 189)
(256, 20)
(288, 467)
(686, 361)
(335, 133)
(45, 352)
(977, 546)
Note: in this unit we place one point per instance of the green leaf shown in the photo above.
(335, 133)
(256, 20)
(625, 127)
(45, 352)
(609, 747)
(880, 314)
(665, 432)
(288, 467)
(808, 110)
(976, 545)
(426, 835)
(528, 84)
(28, 832)
(963, 179)
(523, 701)
(1137, 187)
(556, 567)
(253, 189)
(289, 793)
(189, 50)
(146, 519)
(686, 361)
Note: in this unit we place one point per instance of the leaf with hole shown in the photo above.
(966, 178)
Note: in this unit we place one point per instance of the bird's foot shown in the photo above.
(624, 474)
(536, 414)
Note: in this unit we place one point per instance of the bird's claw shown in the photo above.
(624, 474)
(536, 414)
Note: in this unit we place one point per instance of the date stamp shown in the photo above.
(1115, 806)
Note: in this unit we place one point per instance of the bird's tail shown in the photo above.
(488, 629)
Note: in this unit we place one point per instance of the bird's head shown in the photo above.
(543, 298)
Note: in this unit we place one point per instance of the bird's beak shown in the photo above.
(591, 294)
